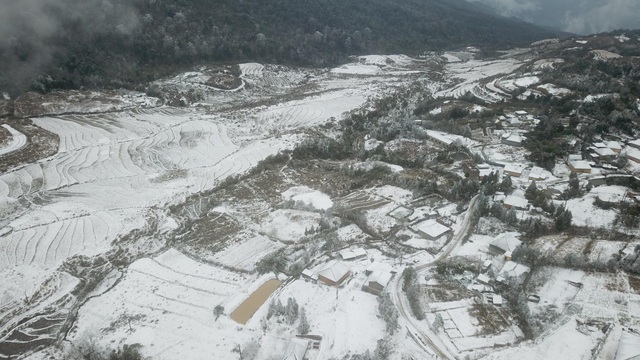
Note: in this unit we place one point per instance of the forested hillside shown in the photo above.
(115, 43)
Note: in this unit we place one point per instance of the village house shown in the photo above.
(296, 349)
(512, 139)
(504, 243)
(334, 274)
(605, 153)
(634, 143)
(514, 170)
(537, 173)
(512, 269)
(633, 155)
(615, 146)
(431, 229)
(377, 281)
(439, 138)
(579, 166)
(515, 202)
(353, 254)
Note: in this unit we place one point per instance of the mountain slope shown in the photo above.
(120, 44)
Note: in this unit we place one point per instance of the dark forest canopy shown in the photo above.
(63, 44)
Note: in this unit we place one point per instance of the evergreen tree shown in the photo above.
(303, 326)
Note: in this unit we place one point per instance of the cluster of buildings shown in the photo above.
(604, 154)
(337, 272)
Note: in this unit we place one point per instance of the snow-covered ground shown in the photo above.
(18, 140)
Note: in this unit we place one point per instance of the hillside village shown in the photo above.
(474, 209)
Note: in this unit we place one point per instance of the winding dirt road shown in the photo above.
(424, 337)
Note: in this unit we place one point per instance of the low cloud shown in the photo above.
(577, 16)
(31, 31)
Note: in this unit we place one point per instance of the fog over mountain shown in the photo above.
(576, 16)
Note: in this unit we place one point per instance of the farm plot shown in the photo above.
(342, 316)
(557, 291)
(472, 326)
(470, 73)
(18, 140)
(48, 245)
(360, 201)
(168, 301)
(599, 299)
(270, 76)
(288, 225)
(310, 112)
(65, 102)
(39, 323)
(567, 342)
(244, 254)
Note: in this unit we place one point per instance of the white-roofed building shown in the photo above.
(634, 143)
(497, 300)
(504, 243)
(579, 166)
(353, 254)
(515, 202)
(513, 139)
(512, 269)
(483, 279)
(296, 349)
(378, 281)
(334, 274)
(537, 173)
(633, 154)
(615, 146)
(439, 137)
(431, 229)
(513, 170)
(605, 152)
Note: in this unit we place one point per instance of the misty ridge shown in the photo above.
(574, 16)
(63, 44)
(33, 32)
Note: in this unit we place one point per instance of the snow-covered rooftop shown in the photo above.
(537, 173)
(432, 228)
(513, 269)
(635, 143)
(513, 138)
(605, 152)
(514, 168)
(633, 154)
(580, 164)
(348, 254)
(506, 242)
(614, 145)
(335, 271)
(381, 277)
(439, 137)
(516, 202)
(296, 349)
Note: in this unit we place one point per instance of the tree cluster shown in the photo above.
(411, 287)
(388, 312)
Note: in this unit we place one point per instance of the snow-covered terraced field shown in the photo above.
(245, 254)
(18, 140)
(468, 75)
(310, 112)
(120, 171)
(117, 171)
(172, 298)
